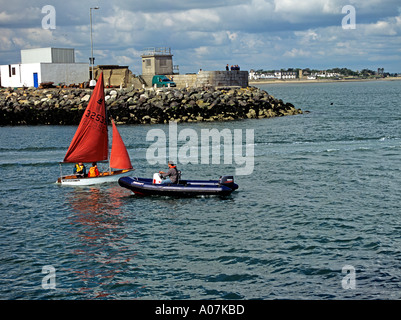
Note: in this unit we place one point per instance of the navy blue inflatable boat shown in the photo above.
(185, 188)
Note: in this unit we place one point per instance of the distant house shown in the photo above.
(325, 74)
(277, 74)
(284, 75)
(289, 75)
(42, 65)
(252, 75)
(268, 75)
(261, 75)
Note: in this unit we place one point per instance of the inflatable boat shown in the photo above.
(184, 188)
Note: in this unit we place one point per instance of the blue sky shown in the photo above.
(255, 34)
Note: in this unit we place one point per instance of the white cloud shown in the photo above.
(307, 36)
(310, 7)
(251, 33)
(296, 53)
(232, 35)
(382, 28)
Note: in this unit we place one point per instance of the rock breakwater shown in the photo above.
(66, 106)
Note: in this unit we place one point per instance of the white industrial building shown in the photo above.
(44, 65)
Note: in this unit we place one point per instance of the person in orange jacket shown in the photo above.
(93, 171)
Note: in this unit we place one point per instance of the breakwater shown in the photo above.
(133, 106)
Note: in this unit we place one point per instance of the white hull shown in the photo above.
(103, 178)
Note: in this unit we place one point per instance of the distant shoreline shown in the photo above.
(291, 81)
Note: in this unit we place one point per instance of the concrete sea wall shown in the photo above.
(212, 78)
(133, 106)
(206, 79)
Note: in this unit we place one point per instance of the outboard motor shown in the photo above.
(157, 179)
(227, 181)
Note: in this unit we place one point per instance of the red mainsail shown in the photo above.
(119, 158)
(90, 142)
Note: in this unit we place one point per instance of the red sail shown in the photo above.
(90, 143)
(119, 158)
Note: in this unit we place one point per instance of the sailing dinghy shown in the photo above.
(90, 144)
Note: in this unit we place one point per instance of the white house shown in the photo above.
(41, 65)
(288, 75)
(252, 75)
(277, 74)
(260, 75)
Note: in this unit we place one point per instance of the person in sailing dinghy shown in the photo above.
(80, 169)
(93, 171)
(171, 175)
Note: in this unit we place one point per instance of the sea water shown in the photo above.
(318, 218)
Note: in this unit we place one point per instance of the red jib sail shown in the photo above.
(119, 158)
(90, 142)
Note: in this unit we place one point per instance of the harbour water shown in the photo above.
(318, 218)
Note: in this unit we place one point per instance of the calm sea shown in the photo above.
(318, 218)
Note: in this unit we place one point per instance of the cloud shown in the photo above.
(208, 34)
(310, 7)
(295, 52)
(382, 28)
(21, 17)
(157, 6)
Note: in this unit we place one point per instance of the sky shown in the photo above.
(208, 34)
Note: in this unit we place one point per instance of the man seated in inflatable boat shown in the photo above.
(182, 188)
(172, 175)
